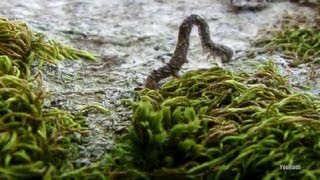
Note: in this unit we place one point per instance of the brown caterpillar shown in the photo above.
(180, 53)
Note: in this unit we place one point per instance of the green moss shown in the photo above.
(301, 45)
(18, 42)
(214, 124)
(34, 142)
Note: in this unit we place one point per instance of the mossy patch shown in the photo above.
(215, 124)
(34, 142)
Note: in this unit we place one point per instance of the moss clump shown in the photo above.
(214, 124)
(18, 42)
(15, 68)
(49, 50)
(301, 44)
(15, 39)
(34, 142)
(298, 38)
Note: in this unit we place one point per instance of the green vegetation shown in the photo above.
(34, 142)
(297, 39)
(301, 44)
(19, 43)
(214, 124)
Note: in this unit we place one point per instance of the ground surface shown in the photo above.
(133, 37)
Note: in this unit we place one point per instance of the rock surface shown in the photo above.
(251, 4)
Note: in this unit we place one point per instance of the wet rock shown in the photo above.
(250, 4)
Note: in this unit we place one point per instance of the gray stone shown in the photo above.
(251, 4)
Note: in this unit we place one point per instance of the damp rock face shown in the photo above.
(305, 1)
(251, 4)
